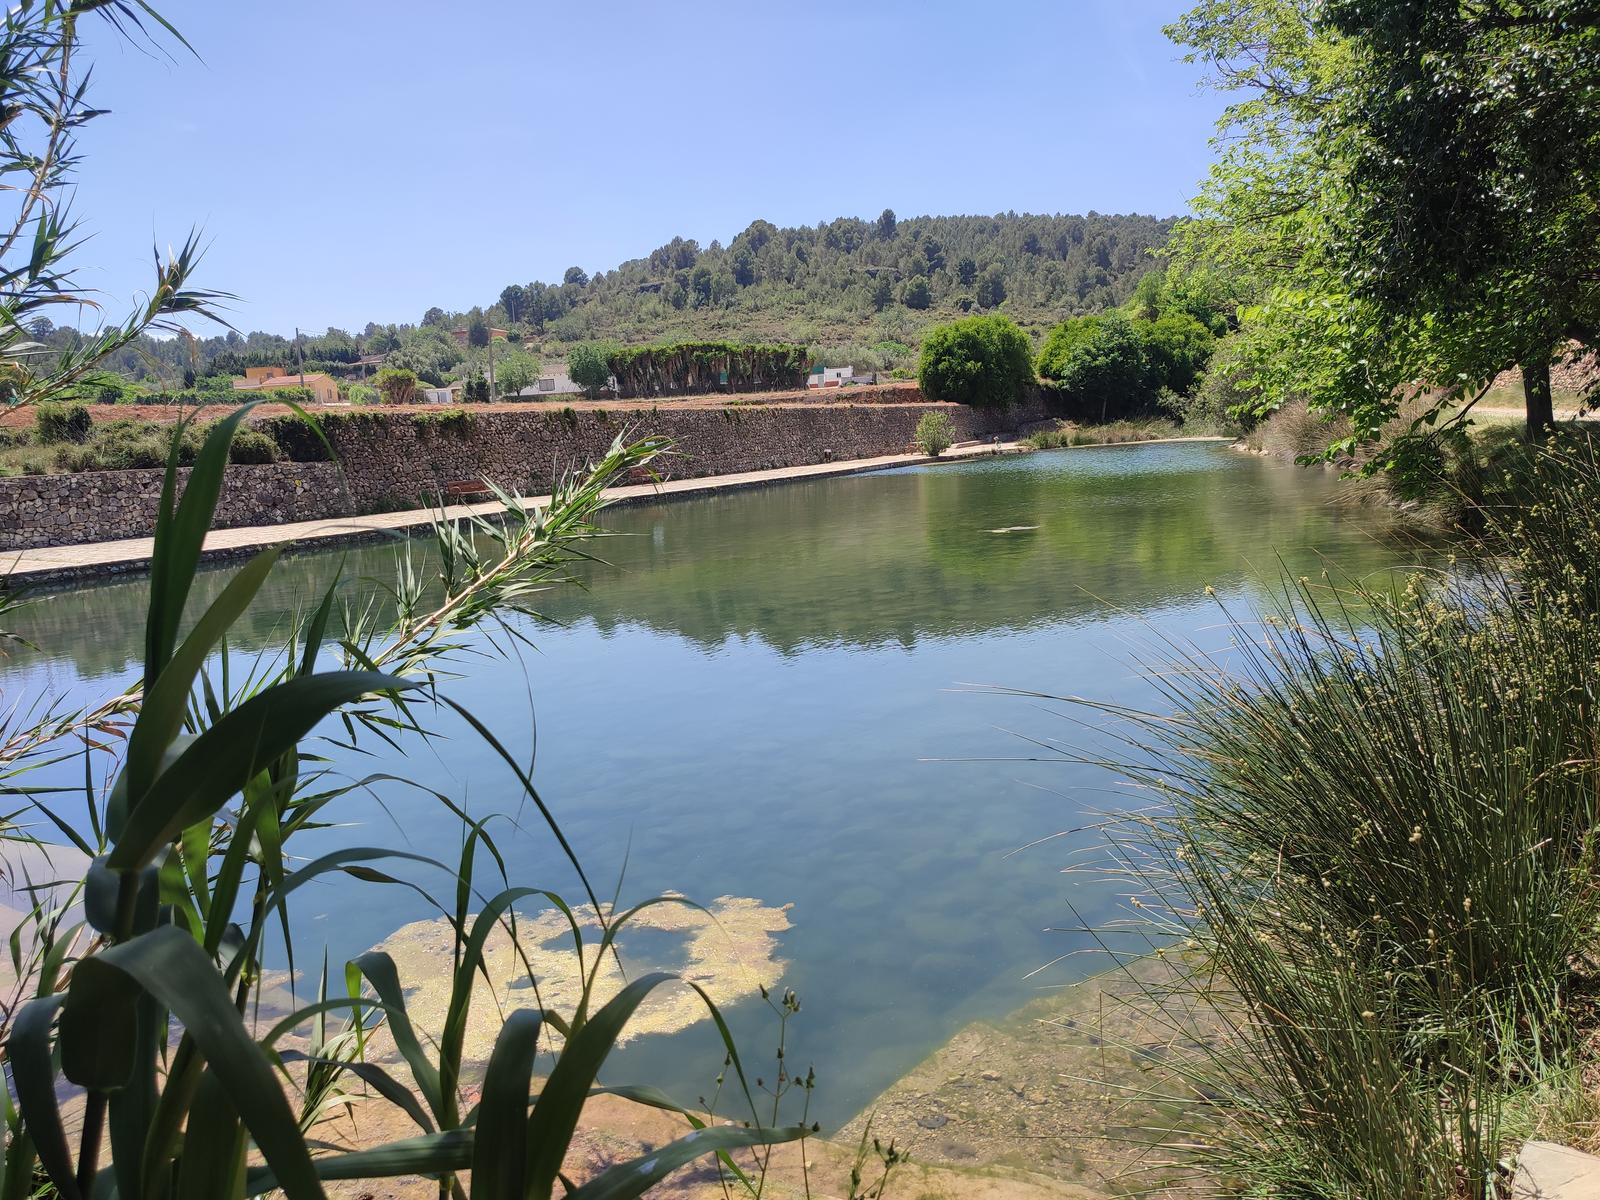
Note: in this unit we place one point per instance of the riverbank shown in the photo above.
(57, 565)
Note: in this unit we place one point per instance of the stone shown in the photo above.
(1547, 1171)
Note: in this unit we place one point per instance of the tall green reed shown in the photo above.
(149, 1007)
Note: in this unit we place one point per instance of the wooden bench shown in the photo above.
(463, 490)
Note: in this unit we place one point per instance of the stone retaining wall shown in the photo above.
(97, 506)
(398, 460)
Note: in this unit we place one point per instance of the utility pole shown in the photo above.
(300, 357)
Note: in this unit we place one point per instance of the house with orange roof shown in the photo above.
(324, 389)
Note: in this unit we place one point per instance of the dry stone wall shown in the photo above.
(397, 460)
(96, 506)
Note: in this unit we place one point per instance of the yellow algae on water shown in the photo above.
(729, 949)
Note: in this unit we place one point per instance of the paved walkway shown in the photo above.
(60, 564)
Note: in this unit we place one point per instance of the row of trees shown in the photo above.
(1106, 365)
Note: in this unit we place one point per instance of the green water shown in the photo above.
(761, 698)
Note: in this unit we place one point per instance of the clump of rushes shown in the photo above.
(935, 433)
(1374, 849)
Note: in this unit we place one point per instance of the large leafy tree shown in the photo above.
(1474, 147)
(1383, 214)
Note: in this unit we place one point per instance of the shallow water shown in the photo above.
(761, 698)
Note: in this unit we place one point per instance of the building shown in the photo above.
(825, 377)
(324, 389)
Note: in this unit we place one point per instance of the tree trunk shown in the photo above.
(1536, 391)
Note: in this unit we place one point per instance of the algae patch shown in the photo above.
(730, 949)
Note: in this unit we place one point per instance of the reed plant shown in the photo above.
(149, 1030)
(1372, 844)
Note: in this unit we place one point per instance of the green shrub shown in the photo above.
(253, 447)
(55, 424)
(589, 366)
(935, 433)
(1380, 834)
(396, 385)
(976, 360)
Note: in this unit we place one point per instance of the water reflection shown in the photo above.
(756, 697)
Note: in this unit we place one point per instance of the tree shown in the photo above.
(1398, 214)
(976, 360)
(515, 371)
(477, 333)
(1474, 150)
(512, 299)
(396, 385)
(967, 270)
(886, 225)
(589, 366)
(882, 292)
(1099, 363)
(434, 316)
(1176, 348)
(576, 276)
(915, 293)
(991, 288)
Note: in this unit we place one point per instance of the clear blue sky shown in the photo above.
(361, 161)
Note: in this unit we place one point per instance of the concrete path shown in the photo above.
(62, 564)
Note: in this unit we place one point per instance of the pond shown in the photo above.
(761, 697)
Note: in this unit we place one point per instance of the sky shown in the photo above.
(354, 160)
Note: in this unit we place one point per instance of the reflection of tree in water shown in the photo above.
(869, 560)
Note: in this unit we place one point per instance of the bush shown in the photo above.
(1110, 366)
(589, 366)
(396, 385)
(1378, 828)
(55, 424)
(252, 447)
(935, 433)
(977, 360)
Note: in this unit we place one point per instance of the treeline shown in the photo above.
(860, 292)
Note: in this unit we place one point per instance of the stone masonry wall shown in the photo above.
(390, 463)
(93, 506)
(395, 460)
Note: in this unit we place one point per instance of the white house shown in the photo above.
(825, 377)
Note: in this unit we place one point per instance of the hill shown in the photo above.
(855, 291)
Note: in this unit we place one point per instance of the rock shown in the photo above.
(992, 1076)
(933, 1121)
(1546, 1171)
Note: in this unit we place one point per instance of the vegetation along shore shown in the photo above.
(707, 725)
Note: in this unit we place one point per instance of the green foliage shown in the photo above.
(396, 385)
(55, 423)
(689, 367)
(589, 366)
(252, 446)
(935, 433)
(476, 389)
(514, 371)
(977, 360)
(478, 333)
(916, 294)
(1378, 833)
(1111, 365)
(455, 421)
(1398, 216)
(154, 1016)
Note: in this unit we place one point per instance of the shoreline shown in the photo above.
(61, 566)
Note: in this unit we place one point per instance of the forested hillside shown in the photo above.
(854, 290)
